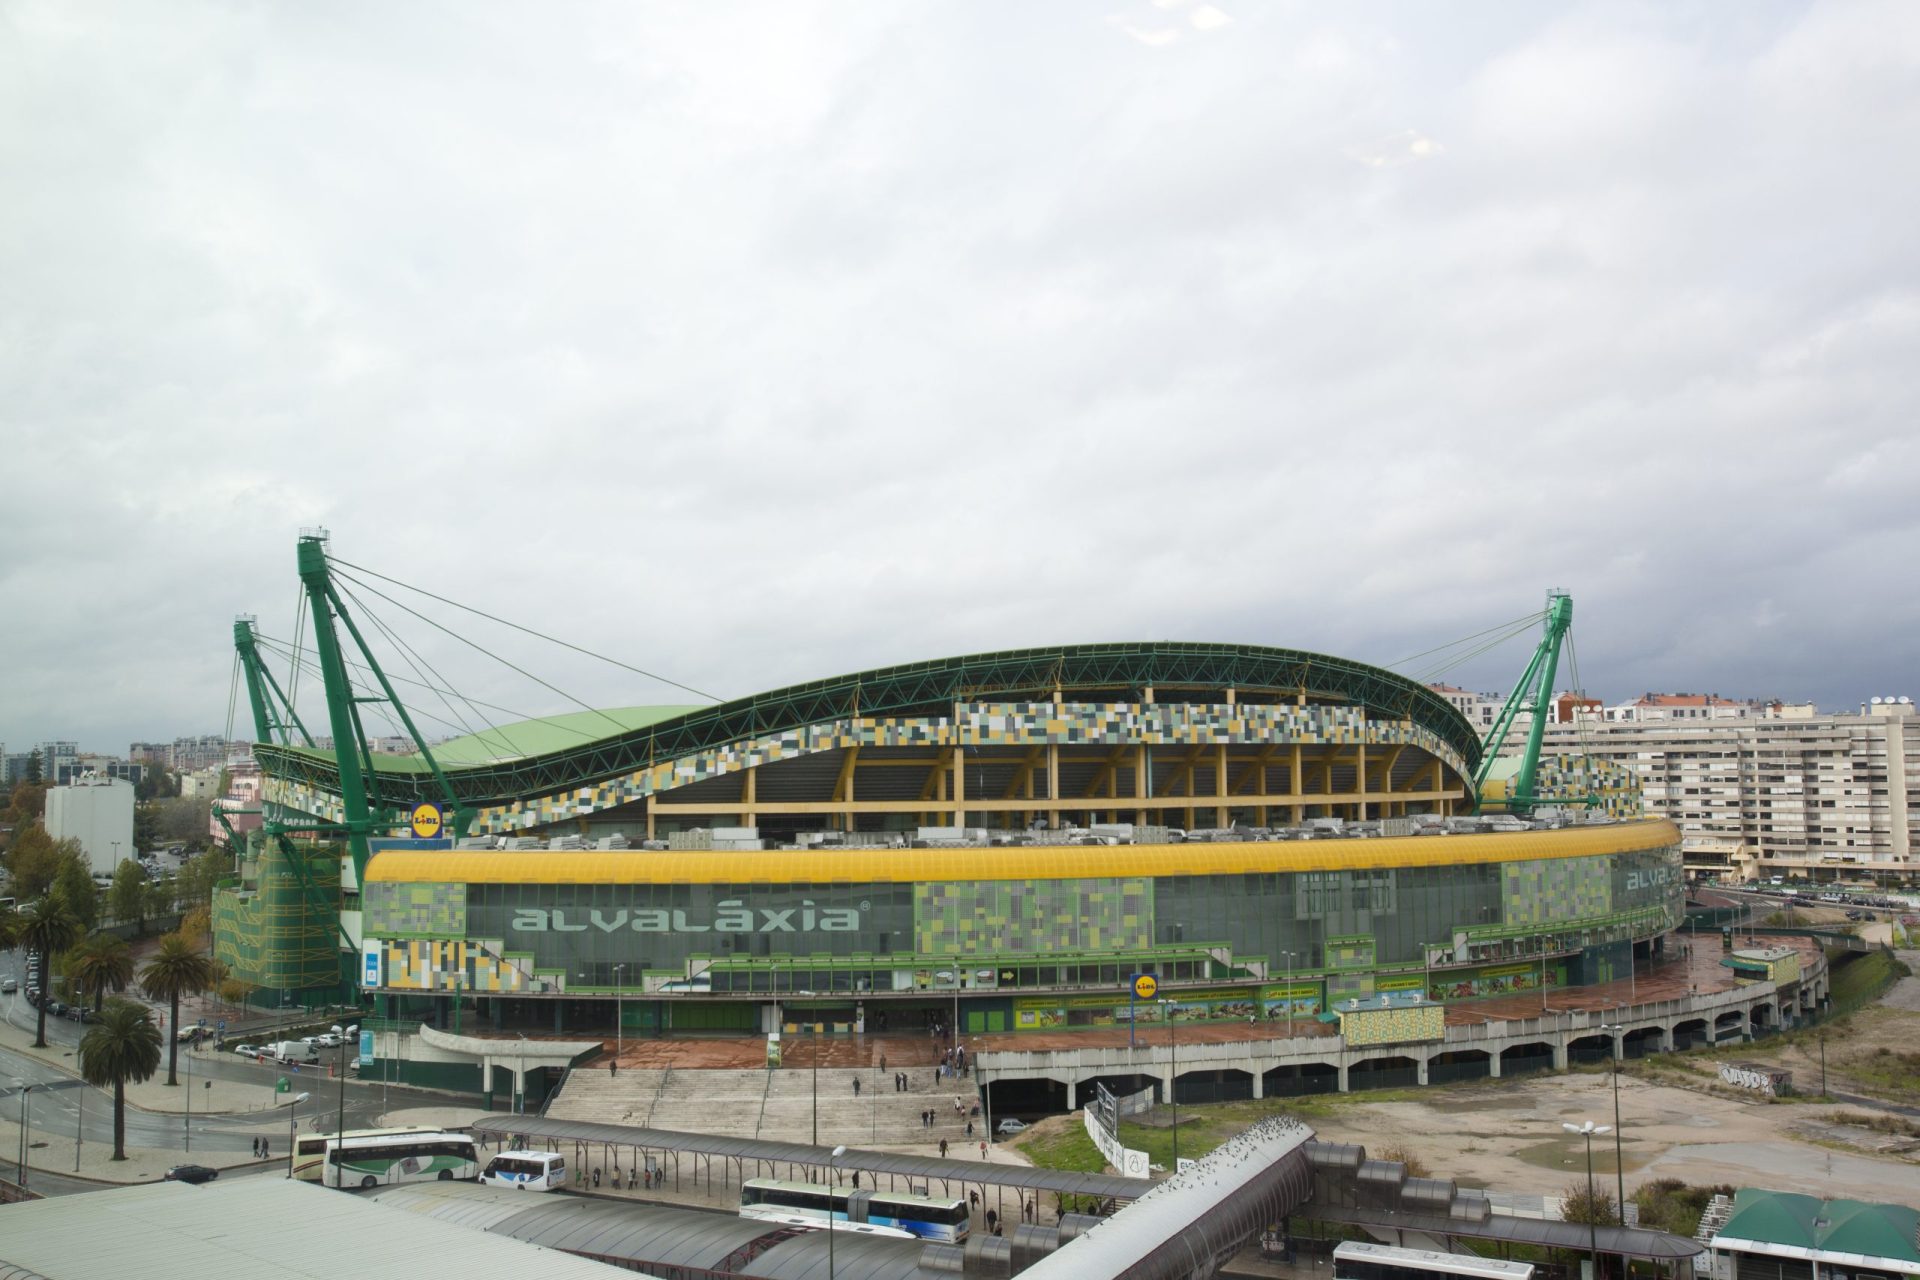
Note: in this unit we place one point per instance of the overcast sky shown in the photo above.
(756, 343)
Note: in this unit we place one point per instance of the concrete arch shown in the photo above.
(1460, 1064)
(1300, 1080)
(1591, 1048)
(1535, 1055)
(1689, 1032)
(1384, 1073)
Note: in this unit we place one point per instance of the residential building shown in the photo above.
(241, 804)
(1480, 709)
(1762, 789)
(98, 813)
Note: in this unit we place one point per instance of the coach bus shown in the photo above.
(402, 1157)
(1357, 1260)
(925, 1217)
(310, 1150)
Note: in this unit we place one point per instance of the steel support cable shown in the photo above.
(408, 653)
(233, 690)
(625, 666)
(1580, 735)
(1528, 620)
(424, 714)
(481, 649)
(299, 634)
(279, 647)
(1433, 672)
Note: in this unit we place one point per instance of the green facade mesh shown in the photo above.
(279, 928)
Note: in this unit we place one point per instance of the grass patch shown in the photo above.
(1860, 979)
(1887, 1073)
(1068, 1148)
(1878, 1123)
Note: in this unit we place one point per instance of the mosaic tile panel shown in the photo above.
(1022, 916)
(430, 965)
(1555, 890)
(436, 909)
(1398, 1025)
(982, 724)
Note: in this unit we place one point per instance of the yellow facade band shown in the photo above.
(1016, 862)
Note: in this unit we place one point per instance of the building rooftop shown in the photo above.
(1783, 1224)
(263, 1228)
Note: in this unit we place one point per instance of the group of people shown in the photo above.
(260, 1151)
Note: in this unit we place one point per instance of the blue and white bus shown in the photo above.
(526, 1171)
(925, 1217)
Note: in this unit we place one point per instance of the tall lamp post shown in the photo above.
(1173, 1081)
(1587, 1129)
(833, 1219)
(813, 1061)
(26, 1118)
(1290, 957)
(292, 1130)
(1619, 1166)
(340, 1122)
(619, 1015)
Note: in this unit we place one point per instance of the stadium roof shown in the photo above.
(923, 688)
(526, 738)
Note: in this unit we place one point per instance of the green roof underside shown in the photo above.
(1835, 1226)
(556, 758)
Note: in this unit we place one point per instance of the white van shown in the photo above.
(293, 1051)
(526, 1171)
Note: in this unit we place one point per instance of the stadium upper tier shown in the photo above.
(506, 768)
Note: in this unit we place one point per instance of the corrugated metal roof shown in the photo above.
(1808, 1223)
(1028, 862)
(661, 1235)
(1633, 1242)
(921, 1168)
(262, 1228)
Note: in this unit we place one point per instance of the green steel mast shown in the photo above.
(274, 719)
(1533, 694)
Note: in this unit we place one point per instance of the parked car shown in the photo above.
(1010, 1125)
(250, 1050)
(194, 1173)
(9, 985)
(57, 1008)
(329, 1041)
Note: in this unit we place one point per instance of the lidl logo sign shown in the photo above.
(1146, 987)
(426, 821)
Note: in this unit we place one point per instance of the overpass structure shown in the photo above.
(1489, 1049)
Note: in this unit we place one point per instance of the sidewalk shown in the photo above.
(53, 1153)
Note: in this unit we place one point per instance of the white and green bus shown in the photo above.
(310, 1149)
(386, 1160)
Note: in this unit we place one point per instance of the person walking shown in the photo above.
(856, 1086)
(883, 1062)
(943, 1148)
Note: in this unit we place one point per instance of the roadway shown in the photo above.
(60, 1103)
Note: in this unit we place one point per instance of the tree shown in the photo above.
(176, 970)
(73, 884)
(127, 899)
(1593, 1206)
(102, 963)
(48, 927)
(198, 878)
(146, 827)
(32, 861)
(123, 1045)
(196, 926)
(26, 803)
(156, 783)
(159, 896)
(34, 776)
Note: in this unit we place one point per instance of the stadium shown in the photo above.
(998, 842)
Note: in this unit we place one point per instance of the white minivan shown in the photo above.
(526, 1171)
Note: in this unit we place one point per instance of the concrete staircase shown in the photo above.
(776, 1105)
(1719, 1209)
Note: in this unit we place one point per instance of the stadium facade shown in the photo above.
(1004, 839)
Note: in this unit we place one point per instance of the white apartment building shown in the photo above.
(97, 812)
(1778, 792)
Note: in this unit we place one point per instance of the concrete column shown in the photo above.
(1560, 1053)
(1343, 1079)
(1422, 1061)
(1493, 1064)
(1360, 779)
(1072, 1095)
(1259, 1084)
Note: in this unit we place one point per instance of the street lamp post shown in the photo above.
(26, 1122)
(833, 1218)
(1290, 956)
(1823, 1062)
(186, 1117)
(813, 1062)
(1619, 1165)
(1173, 1080)
(292, 1133)
(1587, 1129)
(619, 1015)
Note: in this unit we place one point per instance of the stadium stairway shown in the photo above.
(776, 1105)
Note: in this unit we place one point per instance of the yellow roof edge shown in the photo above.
(1019, 862)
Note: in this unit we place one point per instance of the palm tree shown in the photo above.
(177, 970)
(122, 1045)
(49, 927)
(103, 962)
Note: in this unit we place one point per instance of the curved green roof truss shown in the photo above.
(915, 688)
